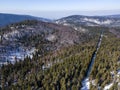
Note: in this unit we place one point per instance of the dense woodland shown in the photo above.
(67, 66)
(106, 62)
(64, 68)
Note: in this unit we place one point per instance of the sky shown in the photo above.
(60, 8)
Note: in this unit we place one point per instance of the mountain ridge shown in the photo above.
(109, 20)
(7, 19)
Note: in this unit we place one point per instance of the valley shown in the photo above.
(86, 82)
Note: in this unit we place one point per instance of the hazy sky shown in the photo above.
(60, 8)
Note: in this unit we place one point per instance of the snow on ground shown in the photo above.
(97, 21)
(85, 84)
(119, 84)
(80, 29)
(66, 24)
(51, 38)
(75, 28)
(93, 82)
(31, 52)
(107, 87)
(14, 55)
(118, 72)
(115, 75)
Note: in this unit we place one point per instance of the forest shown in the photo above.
(64, 68)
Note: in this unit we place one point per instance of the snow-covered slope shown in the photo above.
(89, 20)
(14, 38)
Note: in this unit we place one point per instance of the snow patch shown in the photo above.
(85, 84)
(11, 34)
(118, 72)
(14, 55)
(51, 38)
(60, 22)
(93, 82)
(107, 87)
(80, 29)
(97, 21)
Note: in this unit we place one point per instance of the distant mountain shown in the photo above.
(76, 20)
(114, 16)
(6, 19)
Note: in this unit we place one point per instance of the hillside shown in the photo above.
(41, 55)
(6, 19)
(77, 20)
(20, 38)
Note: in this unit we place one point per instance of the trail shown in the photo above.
(86, 82)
